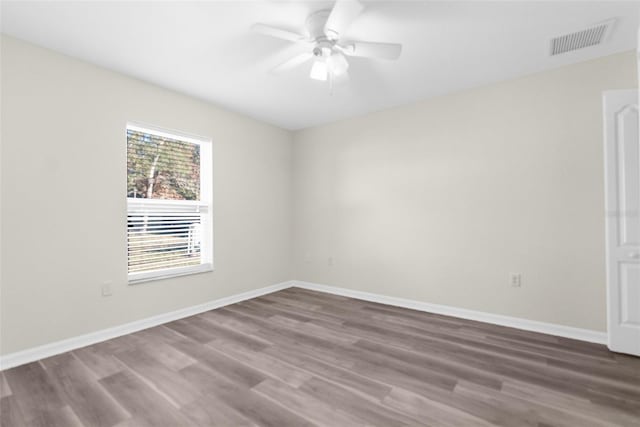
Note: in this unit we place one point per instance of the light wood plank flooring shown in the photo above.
(302, 358)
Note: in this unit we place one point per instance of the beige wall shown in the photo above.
(439, 201)
(64, 208)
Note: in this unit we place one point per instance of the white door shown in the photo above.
(622, 172)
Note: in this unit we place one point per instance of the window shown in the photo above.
(169, 230)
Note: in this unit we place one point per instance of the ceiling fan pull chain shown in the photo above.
(330, 78)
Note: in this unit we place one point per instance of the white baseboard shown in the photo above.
(36, 353)
(496, 319)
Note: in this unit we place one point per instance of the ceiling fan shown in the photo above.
(325, 31)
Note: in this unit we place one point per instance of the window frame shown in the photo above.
(205, 203)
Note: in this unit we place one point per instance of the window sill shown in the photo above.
(148, 276)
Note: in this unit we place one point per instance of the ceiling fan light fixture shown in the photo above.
(319, 70)
(338, 64)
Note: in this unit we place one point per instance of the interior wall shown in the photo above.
(64, 198)
(437, 201)
(441, 200)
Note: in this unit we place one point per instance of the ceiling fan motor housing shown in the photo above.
(323, 49)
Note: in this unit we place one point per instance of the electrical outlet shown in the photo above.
(106, 289)
(515, 280)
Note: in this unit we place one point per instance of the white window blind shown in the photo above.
(169, 229)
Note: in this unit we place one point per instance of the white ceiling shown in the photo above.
(205, 49)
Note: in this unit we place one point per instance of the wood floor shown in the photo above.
(301, 358)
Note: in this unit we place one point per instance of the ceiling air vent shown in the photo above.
(591, 36)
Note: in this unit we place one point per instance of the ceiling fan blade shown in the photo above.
(372, 49)
(293, 62)
(341, 16)
(279, 33)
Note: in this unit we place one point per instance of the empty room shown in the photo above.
(319, 213)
